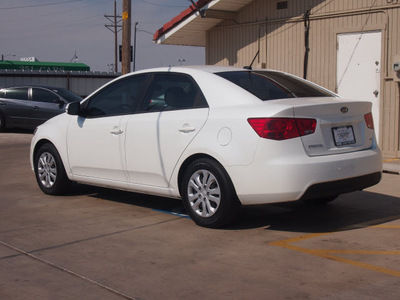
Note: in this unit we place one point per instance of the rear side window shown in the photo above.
(171, 92)
(41, 95)
(269, 85)
(17, 93)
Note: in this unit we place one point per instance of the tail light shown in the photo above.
(282, 128)
(369, 120)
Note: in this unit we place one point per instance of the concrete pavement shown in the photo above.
(98, 243)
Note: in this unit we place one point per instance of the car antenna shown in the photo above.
(250, 67)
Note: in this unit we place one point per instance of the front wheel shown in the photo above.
(208, 194)
(49, 171)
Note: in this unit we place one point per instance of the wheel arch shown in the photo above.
(39, 144)
(193, 158)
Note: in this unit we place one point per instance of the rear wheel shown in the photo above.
(49, 170)
(208, 194)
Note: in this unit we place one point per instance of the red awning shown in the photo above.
(179, 18)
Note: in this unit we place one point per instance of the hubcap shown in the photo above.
(47, 170)
(204, 193)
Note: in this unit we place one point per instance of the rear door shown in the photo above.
(173, 112)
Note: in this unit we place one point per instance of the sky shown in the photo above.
(53, 30)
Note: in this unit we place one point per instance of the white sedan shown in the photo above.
(216, 137)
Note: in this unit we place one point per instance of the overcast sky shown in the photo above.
(52, 30)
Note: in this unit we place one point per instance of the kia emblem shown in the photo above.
(344, 109)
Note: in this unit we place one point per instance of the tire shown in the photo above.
(208, 194)
(49, 171)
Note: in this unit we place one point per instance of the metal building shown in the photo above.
(81, 83)
(350, 47)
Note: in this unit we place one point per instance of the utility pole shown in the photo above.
(134, 47)
(115, 28)
(126, 36)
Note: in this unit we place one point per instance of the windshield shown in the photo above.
(270, 85)
(68, 95)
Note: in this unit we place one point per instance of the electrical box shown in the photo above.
(396, 68)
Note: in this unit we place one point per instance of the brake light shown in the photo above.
(369, 120)
(282, 128)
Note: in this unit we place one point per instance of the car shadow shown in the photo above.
(349, 211)
(17, 130)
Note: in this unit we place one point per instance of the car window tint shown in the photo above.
(68, 95)
(297, 86)
(42, 95)
(269, 85)
(171, 92)
(257, 84)
(119, 98)
(17, 93)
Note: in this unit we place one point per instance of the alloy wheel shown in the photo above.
(47, 169)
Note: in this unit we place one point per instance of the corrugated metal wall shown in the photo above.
(279, 35)
(81, 83)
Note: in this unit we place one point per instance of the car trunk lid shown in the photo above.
(341, 125)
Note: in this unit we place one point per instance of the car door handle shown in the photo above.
(2, 103)
(116, 132)
(35, 107)
(187, 129)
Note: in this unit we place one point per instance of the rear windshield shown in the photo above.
(270, 85)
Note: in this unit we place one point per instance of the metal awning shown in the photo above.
(190, 26)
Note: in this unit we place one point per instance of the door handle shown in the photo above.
(35, 107)
(116, 132)
(2, 103)
(187, 129)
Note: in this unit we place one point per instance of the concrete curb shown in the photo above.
(391, 166)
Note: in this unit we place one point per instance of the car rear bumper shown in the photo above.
(290, 174)
(338, 187)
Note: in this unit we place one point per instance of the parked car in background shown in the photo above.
(29, 106)
(216, 137)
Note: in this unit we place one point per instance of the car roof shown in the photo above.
(203, 68)
(34, 86)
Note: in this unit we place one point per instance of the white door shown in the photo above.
(94, 148)
(359, 69)
(155, 142)
(173, 113)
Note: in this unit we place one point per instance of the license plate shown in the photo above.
(343, 135)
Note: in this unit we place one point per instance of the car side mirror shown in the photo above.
(73, 108)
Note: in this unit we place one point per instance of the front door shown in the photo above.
(96, 139)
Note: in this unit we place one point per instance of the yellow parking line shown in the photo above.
(328, 254)
(390, 159)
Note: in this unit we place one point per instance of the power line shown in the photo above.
(38, 5)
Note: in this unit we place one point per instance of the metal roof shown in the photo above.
(189, 27)
(42, 66)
